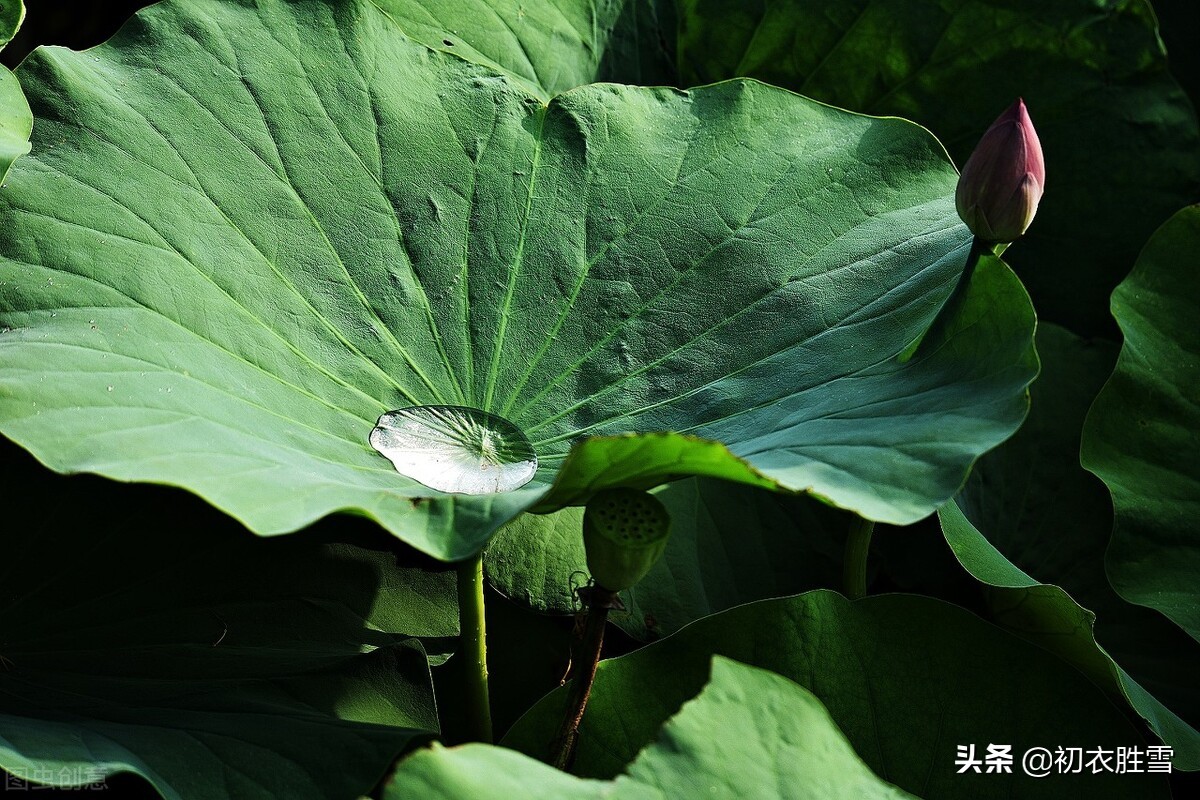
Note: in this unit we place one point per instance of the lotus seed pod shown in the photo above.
(624, 532)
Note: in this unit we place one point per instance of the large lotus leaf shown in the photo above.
(1143, 433)
(251, 228)
(1029, 508)
(1120, 137)
(730, 544)
(907, 679)
(749, 733)
(144, 632)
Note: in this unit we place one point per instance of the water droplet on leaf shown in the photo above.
(455, 449)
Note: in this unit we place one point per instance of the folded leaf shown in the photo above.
(907, 679)
(1143, 433)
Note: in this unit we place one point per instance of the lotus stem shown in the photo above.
(473, 649)
(587, 658)
(858, 546)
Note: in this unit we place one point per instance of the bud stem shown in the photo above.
(854, 566)
(473, 642)
(586, 658)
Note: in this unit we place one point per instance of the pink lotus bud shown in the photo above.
(1003, 180)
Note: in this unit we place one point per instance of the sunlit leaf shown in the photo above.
(250, 229)
(12, 14)
(16, 121)
(749, 733)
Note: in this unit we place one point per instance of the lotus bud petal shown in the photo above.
(1003, 180)
(624, 532)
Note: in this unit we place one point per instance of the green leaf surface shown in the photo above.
(143, 632)
(730, 544)
(1143, 432)
(549, 46)
(774, 738)
(12, 14)
(1121, 141)
(907, 679)
(16, 122)
(1029, 508)
(249, 229)
(1046, 615)
(485, 772)
(749, 733)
